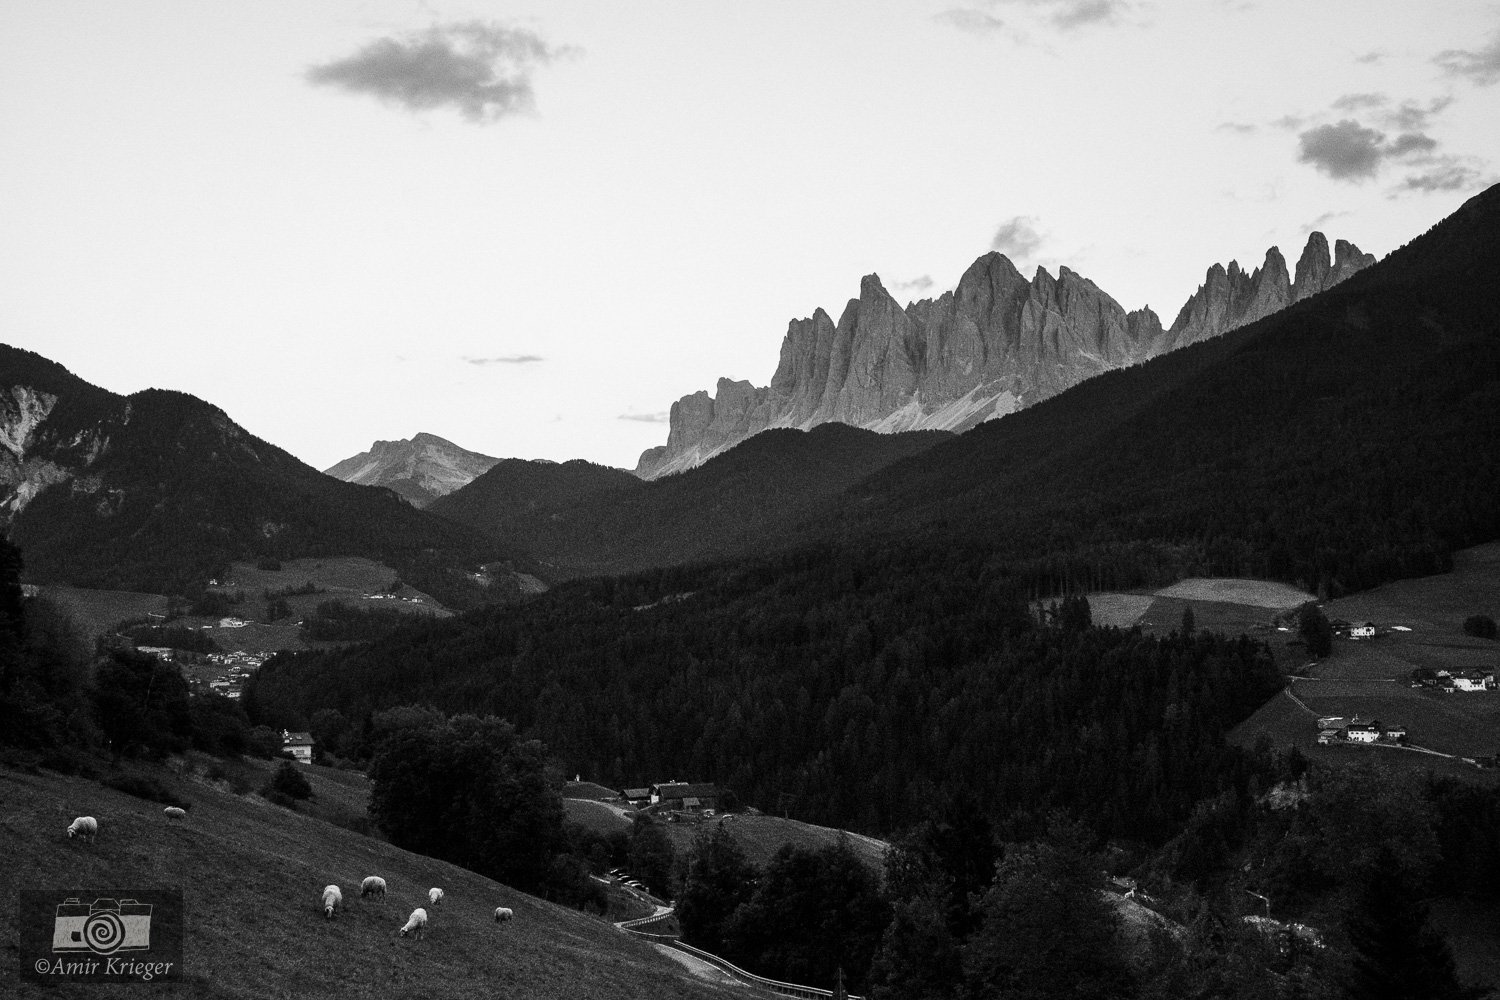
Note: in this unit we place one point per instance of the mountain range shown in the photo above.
(994, 345)
(158, 491)
(421, 468)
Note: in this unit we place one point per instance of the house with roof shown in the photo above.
(1363, 732)
(299, 745)
(637, 797)
(686, 796)
(1473, 680)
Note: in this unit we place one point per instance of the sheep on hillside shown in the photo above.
(416, 922)
(175, 812)
(373, 885)
(435, 897)
(503, 913)
(86, 827)
(332, 897)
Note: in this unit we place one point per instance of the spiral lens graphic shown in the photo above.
(104, 932)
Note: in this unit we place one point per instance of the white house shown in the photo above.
(1472, 680)
(1362, 732)
(299, 745)
(1365, 631)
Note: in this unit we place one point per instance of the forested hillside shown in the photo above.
(579, 519)
(915, 671)
(159, 491)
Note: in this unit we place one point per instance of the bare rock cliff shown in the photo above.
(993, 345)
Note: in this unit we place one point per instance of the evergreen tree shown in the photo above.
(716, 879)
(651, 854)
(1397, 955)
(1313, 626)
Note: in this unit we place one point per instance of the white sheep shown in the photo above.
(503, 913)
(175, 812)
(416, 922)
(332, 898)
(86, 827)
(373, 885)
(435, 897)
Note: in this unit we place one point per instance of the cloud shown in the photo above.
(1369, 58)
(645, 418)
(1065, 15)
(1289, 122)
(1349, 151)
(1017, 237)
(508, 359)
(482, 69)
(1354, 102)
(1243, 128)
(975, 22)
(1445, 173)
(918, 284)
(1322, 221)
(1479, 66)
(1409, 116)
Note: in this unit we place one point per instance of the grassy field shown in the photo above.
(251, 874)
(1368, 677)
(95, 612)
(761, 836)
(1256, 593)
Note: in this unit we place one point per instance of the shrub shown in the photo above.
(1481, 626)
(289, 780)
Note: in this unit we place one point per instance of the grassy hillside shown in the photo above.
(251, 874)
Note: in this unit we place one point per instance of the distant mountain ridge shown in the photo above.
(157, 491)
(995, 344)
(421, 468)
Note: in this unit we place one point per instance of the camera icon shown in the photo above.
(105, 927)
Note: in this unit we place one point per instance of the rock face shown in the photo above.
(993, 345)
(420, 469)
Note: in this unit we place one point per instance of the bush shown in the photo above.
(279, 798)
(144, 788)
(290, 781)
(1480, 626)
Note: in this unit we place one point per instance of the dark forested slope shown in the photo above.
(159, 490)
(580, 519)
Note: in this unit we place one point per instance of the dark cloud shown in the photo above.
(1017, 237)
(1346, 152)
(1446, 174)
(1479, 66)
(646, 418)
(481, 69)
(918, 284)
(507, 359)
(975, 22)
(1410, 142)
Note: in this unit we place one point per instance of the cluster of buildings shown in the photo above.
(238, 666)
(677, 797)
(1456, 680)
(1330, 733)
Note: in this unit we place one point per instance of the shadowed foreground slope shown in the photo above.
(251, 874)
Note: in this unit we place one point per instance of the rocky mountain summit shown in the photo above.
(991, 346)
(421, 469)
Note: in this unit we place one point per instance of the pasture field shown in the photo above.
(761, 836)
(1369, 677)
(251, 874)
(596, 815)
(1256, 593)
(350, 580)
(95, 612)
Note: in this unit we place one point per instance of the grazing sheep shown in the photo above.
(373, 885)
(435, 897)
(175, 812)
(86, 827)
(503, 913)
(332, 897)
(416, 922)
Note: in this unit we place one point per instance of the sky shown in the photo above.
(529, 227)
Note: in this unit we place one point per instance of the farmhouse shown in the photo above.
(1365, 631)
(693, 796)
(299, 745)
(1395, 732)
(1363, 732)
(636, 796)
(1473, 680)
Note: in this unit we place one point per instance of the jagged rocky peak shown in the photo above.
(995, 343)
(421, 468)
